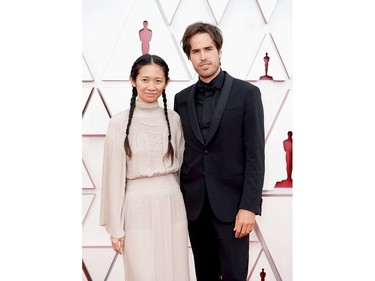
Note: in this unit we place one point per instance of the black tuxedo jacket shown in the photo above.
(230, 163)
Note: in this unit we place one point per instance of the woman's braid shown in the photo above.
(128, 151)
(170, 152)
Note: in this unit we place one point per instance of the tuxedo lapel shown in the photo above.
(221, 103)
(193, 115)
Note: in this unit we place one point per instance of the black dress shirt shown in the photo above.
(206, 97)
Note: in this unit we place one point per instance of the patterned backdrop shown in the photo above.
(111, 43)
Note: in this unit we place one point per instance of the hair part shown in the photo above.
(144, 60)
(201, 27)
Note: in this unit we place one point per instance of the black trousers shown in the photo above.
(218, 255)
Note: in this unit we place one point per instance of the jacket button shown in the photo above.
(206, 151)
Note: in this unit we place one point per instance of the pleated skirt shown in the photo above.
(156, 236)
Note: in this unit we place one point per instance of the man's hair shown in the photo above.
(201, 27)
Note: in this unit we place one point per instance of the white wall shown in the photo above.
(111, 44)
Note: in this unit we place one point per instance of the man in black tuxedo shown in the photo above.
(223, 168)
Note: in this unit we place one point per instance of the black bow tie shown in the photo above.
(203, 87)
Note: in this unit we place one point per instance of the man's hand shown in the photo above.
(118, 244)
(245, 221)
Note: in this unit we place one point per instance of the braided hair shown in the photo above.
(170, 151)
(143, 60)
(131, 112)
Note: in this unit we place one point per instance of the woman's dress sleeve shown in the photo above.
(113, 182)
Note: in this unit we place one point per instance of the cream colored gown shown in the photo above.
(141, 197)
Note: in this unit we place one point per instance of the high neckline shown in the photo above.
(144, 105)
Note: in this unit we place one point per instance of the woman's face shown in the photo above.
(150, 82)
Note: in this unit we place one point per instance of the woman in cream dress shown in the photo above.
(142, 207)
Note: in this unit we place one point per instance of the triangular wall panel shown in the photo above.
(86, 92)
(277, 237)
(128, 48)
(243, 35)
(117, 271)
(280, 28)
(218, 8)
(263, 263)
(169, 8)
(267, 7)
(87, 182)
(276, 67)
(98, 261)
(86, 73)
(255, 251)
(95, 119)
(272, 98)
(253, 237)
(181, 21)
(87, 200)
(92, 155)
(102, 23)
(276, 165)
(93, 233)
(117, 99)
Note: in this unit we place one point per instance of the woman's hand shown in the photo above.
(118, 244)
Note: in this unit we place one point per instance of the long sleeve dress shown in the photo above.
(141, 197)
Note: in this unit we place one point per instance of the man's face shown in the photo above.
(204, 56)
